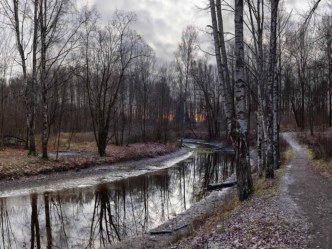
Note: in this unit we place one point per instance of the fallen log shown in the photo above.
(218, 186)
(168, 231)
(161, 232)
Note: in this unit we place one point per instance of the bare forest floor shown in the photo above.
(14, 162)
(292, 211)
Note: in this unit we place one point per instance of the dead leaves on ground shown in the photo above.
(15, 163)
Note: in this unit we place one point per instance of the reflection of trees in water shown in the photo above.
(7, 235)
(102, 225)
(210, 168)
(48, 221)
(97, 216)
(59, 221)
(34, 228)
(53, 217)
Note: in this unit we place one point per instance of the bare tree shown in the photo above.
(109, 51)
(6, 51)
(59, 25)
(223, 71)
(236, 115)
(243, 169)
(208, 87)
(272, 106)
(256, 14)
(185, 56)
(17, 13)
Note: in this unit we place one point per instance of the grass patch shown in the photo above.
(320, 145)
(320, 151)
(323, 166)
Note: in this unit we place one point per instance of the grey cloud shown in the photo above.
(160, 22)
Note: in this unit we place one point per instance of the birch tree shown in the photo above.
(256, 14)
(223, 73)
(25, 24)
(236, 114)
(272, 106)
(243, 169)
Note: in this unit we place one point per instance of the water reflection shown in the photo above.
(97, 216)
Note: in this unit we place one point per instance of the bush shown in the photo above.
(321, 146)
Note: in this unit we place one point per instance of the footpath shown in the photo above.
(312, 192)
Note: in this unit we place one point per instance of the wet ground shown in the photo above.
(110, 205)
(312, 192)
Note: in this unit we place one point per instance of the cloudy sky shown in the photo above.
(161, 22)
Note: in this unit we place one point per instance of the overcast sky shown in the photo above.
(161, 22)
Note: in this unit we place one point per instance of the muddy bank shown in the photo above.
(89, 176)
(15, 164)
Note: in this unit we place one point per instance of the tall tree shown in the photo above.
(272, 106)
(58, 27)
(184, 59)
(256, 13)
(243, 169)
(221, 57)
(236, 115)
(109, 52)
(17, 13)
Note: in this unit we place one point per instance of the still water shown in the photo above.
(100, 215)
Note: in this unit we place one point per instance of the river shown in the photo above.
(106, 212)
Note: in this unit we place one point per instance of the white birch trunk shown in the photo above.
(30, 84)
(243, 170)
(42, 19)
(219, 45)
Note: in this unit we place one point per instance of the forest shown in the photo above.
(65, 70)
(68, 77)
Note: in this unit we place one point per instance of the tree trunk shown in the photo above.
(243, 169)
(48, 221)
(102, 142)
(272, 107)
(218, 45)
(30, 84)
(42, 19)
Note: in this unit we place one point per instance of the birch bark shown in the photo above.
(30, 84)
(42, 18)
(272, 106)
(257, 24)
(219, 45)
(243, 170)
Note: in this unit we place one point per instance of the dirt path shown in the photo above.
(312, 193)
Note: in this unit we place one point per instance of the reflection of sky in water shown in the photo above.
(96, 216)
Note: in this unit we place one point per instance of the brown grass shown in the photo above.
(320, 148)
(320, 145)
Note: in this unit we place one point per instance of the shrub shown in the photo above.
(321, 146)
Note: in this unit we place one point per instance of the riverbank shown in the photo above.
(287, 212)
(269, 219)
(15, 164)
